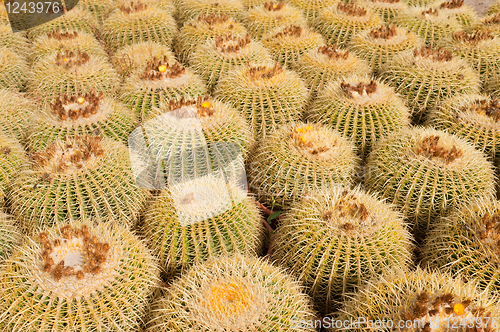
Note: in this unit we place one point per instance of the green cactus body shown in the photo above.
(456, 8)
(430, 24)
(159, 83)
(298, 159)
(494, 8)
(426, 76)
(13, 70)
(15, 114)
(360, 108)
(10, 237)
(271, 15)
(99, 9)
(183, 231)
(338, 231)
(12, 158)
(286, 44)
(134, 58)
(199, 30)
(67, 72)
(80, 115)
(268, 96)
(92, 179)
(472, 117)
(217, 57)
(380, 45)
(139, 22)
(421, 3)
(192, 9)
(339, 23)
(57, 41)
(386, 9)
(16, 42)
(417, 300)
(75, 19)
(328, 63)
(78, 278)
(427, 173)
(234, 292)
(312, 8)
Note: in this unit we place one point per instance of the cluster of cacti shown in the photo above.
(12, 159)
(268, 95)
(386, 9)
(192, 9)
(339, 23)
(77, 277)
(16, 42)
(420, 300)
(271, 15)
(360, 108)
(159, 82)
(323, 241)
(10, 237)
(312, 8)
(297, 159)
(76, 177)
(218, 56)
(456, 9)
(427, 173)
(286, 44)
(380, 45)
(14, 70)
(15, 114)
(232, 293)
(425, 76)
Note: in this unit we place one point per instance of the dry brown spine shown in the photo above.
(154, 68)
(213, 19)
(333, 53)
(69, 59)
(92, 99)
(62, 35)
(271, 6)
(490, 108)
(435, 54)
(385, 32)
(431, 11)
(204, 108)
(430, 149)
(230, 44)
(453, 4)
(5, 150)
(351, 9)
(360, 88)
(263, 72)
(473, 38)
(291, 31)
(94, 250)
(134, 7)
(493, 20)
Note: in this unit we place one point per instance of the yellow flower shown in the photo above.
(162, 68)
(459, 309)
(308, 128)
(206, 104)
(80, 100)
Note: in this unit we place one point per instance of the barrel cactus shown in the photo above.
(15, 114)
(192, 9)
(13, 70)
(463, 13)
(312, 8)
(386, 9)
(16, 42)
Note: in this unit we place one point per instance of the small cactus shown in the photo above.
(312, 8)
(456, 8)
(386, 9)
(99, 9)
(192, 9)
(13, 70)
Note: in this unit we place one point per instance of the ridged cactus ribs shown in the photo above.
(430, 11)
(62, 35)
(290, 31)
(77, 106)
(473, 38)
(134, 7)
(264, 72)
(430, 148)
(231, 44)
(453, 4)
(333, 53)
(75, 254)
(351, 9)
(360, 89)
(203, 107)
(439, 54)
(308, 140)
(70, 59)
(158, 69)
(384, 32)
(493, 20)
(274, 6)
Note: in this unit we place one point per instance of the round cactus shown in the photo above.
(427, 173)
(473, 117)
(494, 8)
(235, 292)
(386, 9)
(99, 9)
(490, 22)
(271, 15)
(337, 238)
(297, 159)
(15, 114)
(267, 95)
(67, 72)
(420, 3)
(312, 8)
(79, 177)
(139, 22)
(12, 158)
(430, 24)
(10, 237)
(134, 58)
(328, 63)
(217, 57)
(418, 300)
(55, 41)
(158, 83)
(203, 218)
(380, 45)
(80, 115)
(456, 8)
(192, 9)
(78, 277)
(199, 30)
(362, 109)
(288, 43)
(339, 23)
(16, 42)
(425, 76)
(249, 4)
(13, 70)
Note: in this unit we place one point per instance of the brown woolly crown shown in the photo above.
(493, 20)
(347, 206)
(264, 72)
(213, 19)
(158, 69)
(430, 148)
(94, 252)
(231, 44)
(271, 6)
(84, 105)
(5, 150)
(313, 146)
(431, 11)
(351, 9)
(473, 38)
(452, 4)
(204, 107)
(62, 35)
(385, 32)
(291, 30)
(360, 88)
(436, 55)
(69, 59)
(333, 53)
(489, 107)
(134, 7)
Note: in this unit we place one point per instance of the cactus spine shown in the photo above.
(386, 9)
(15, 114)
(192, 9)
(494, 8)
(13, 70)
(463, 13)
(12, 158)
(16, 42)
(312, 8)
(10, 237)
